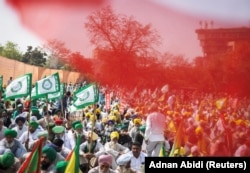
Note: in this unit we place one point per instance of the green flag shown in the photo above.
(162, 151)
(20, 87)
(73, 161)
(57, 94)
(32, 162)
(50, 84)
(1, 83)
(86, 96)
(35, 96)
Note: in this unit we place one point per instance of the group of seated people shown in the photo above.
(119, 152)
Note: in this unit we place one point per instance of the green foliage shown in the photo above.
(34, 56)
(10, 50)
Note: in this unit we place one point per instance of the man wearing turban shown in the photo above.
(20, 126)
(59, 132)
(77, 129)
(114, 148)
(135, 129)
(63, 151)
(30, 136)
(10, 143)
(104, 164)
(90, 149)
(8, 163)
(48, 159)
(61, 166)
(123, 163)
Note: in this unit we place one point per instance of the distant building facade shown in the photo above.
(215, 41)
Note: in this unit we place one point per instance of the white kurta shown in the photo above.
(20, 131)
(32, 137)
(155, 125)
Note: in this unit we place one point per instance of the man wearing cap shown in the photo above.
(77, 129)
(123, 163)
(18, 111)
(48, 159)
(59, 132)
(92, 148)
(8, 163)
(114, 148)
(20, 127)
(30, 136)
(35, 112)
(104, 164)
(10, 143)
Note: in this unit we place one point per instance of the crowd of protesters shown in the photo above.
(117, 137)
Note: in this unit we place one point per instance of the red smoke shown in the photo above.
(64, 20)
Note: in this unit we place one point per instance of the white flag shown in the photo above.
(50, 84)
(20, 87)
(86, 96)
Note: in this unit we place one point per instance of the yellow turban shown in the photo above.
(104, 120)
(198, 130)
(114, 134)
(92, 117)
(137, 121)
(88, 114)
(116, 112)
(238, 122)
(112, 117)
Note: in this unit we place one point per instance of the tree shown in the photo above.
(58, 54)
(11, 50)
(120, 41)
(79, 63)
(34, 56)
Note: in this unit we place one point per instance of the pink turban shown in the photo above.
(106, 158)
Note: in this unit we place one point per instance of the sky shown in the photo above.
(27, 23)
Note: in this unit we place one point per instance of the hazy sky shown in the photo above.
(176, 21)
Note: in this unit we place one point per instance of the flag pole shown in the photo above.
(93, 125)
(62, 108)
(92, 128)
(26, 144)
(91, 135)
(47, 100)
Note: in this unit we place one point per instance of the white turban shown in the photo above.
(123, 159)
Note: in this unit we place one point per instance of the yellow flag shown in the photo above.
(162, 151)
(220, 103)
